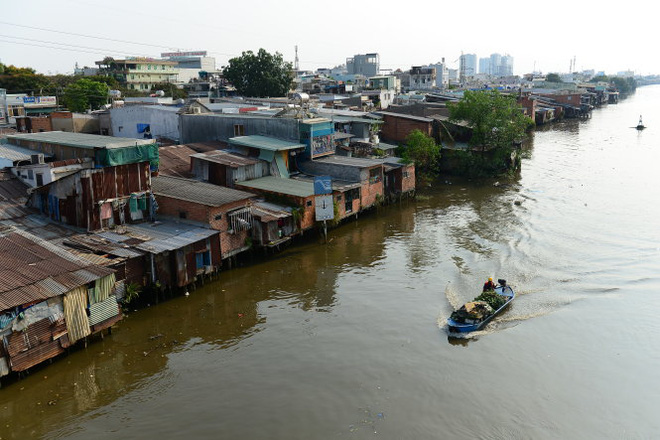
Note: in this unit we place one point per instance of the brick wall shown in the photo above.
(215, 216)
(396, 129)
(369, 193)
(40, 124)
(408, 183)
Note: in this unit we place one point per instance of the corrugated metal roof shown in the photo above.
(14, 152)
(282, 186)
(196, 191)
(32, 269)
(270, 211)
(265, 143)
(358, 162)
(224, 157)
(160, 236)
(168, 236)
(405, 116)
(80, 140)
(174, 160)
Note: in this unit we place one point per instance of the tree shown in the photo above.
(421, 150)
(85, 94)
(21, 80)
(553, 77)
(260, 75)
(170, 89)
(497, 123)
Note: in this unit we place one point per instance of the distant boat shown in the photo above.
(640, 125)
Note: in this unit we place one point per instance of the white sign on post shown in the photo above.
(324, 209)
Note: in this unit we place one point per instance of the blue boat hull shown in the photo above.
(459, 327)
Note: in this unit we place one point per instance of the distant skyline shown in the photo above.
(52, 36)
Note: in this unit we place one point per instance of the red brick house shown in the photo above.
(224, 209)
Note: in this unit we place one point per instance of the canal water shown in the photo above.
(348, 339)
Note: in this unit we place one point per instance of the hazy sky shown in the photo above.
(51, 36)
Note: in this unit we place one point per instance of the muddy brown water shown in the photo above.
(348, 339)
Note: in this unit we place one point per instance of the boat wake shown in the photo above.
(530, 304)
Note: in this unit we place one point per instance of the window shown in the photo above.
(309, 203)
(374, 176)
(217, 217)
(239, 130)
(239, 220)
(406, 174)
(202, 259)
(40, 179)
(183, 214)
(30, 174)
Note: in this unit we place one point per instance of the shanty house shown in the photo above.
(226, 168)
(291, 192)
(49, 299)
(106, 151)
(176, 253)
(98, 198)
(224, 209)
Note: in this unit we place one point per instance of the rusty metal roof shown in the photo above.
(175, 160)
(13, 195)
(32, 269)
(228, 158)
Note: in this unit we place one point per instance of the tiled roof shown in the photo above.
(196, 191)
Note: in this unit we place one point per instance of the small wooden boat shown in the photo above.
(476, 314)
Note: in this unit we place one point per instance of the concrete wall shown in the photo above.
(163, 122)
(75, 123)
(201, 128)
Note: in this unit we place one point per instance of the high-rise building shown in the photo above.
(495, 64)
(506, 65)
(367, 65)
(467, 66)
(484, 65)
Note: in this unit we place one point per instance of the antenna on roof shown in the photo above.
(296, 65)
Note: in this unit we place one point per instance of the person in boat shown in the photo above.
(489, 285)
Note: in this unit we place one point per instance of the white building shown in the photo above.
(145, 122)
(189, 64)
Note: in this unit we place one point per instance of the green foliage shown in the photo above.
(421, 150)
(497, 123)
(260, 75)
(553, 77)
(85, 94)
(132, 294)
(624, 85)
(600, 78)
(170, 90)
(493, 299)
(22, 80)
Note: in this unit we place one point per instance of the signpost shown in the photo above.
(324, 207)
